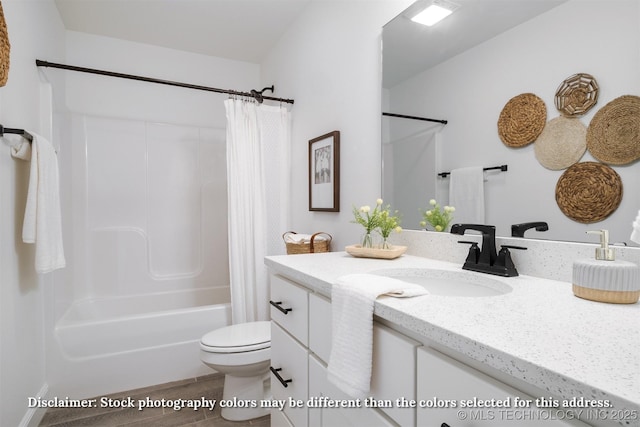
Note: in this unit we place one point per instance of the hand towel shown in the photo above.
(42, 217)
(635, 234)
(466, 194)
(352, 299)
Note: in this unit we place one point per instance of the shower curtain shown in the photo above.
(258, 139)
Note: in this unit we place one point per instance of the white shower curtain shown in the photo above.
(258, 144)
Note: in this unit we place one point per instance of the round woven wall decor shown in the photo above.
(589, 192)
(5, 49)
(613, 136)
(522, 120)
(576, 95)
(561, 144)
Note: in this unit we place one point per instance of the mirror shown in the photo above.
(466, 68)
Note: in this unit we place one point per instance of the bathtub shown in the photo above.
(107, 345)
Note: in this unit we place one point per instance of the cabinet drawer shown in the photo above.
(290, 361)
(279, 419)
(321, 387)
(320, 326)
(393, 374)
(443, 379)
(289, 307)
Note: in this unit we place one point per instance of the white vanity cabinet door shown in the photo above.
(443, 378)
(290, 360)
(393, 373)
(320, 387)
(294, 308)
(320, 326)
(394, 360)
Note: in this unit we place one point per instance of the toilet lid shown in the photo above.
(239, 338)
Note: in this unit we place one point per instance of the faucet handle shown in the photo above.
(505, 262)
(474, 252)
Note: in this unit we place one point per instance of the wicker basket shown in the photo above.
(313, 245)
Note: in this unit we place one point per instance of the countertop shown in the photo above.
(539, 333)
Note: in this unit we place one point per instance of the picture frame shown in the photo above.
(324, 173)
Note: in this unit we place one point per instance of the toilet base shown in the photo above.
(242, 397)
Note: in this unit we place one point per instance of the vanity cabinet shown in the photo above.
(443, 380)
(403, 370)
(300, 350)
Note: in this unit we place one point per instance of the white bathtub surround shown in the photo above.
(257, 155)
(539, 335)
(42, 217)
(353, 297)
(104, 345)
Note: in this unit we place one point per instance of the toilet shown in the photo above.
(243, 353)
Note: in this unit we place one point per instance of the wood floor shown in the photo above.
(195, 389)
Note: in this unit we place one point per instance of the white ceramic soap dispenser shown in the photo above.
(605, 279)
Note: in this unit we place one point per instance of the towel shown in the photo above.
(635, 234)
(352, 299)
(42, 218)
(466, 194)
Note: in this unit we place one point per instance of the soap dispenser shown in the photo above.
(604, 279)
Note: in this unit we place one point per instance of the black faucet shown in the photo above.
(486, 260)
(517, 230)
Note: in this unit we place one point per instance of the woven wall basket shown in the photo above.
(562, 143)
(613, 136)
(576, 95)
(5, 49)
(589, 192)
(522, 120)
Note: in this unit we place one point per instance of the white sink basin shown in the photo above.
(449, 282)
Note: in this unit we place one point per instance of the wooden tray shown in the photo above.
(360, 252)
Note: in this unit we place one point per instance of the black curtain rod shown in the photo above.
(41, 63)
(502, 168)
(425, 119)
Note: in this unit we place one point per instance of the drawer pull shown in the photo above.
(444, 425)
(285, 383)
(277, 305)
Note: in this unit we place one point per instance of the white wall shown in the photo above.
(329, 62)
(35, 31)
(471, 89)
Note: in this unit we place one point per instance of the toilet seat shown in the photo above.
(239, 338)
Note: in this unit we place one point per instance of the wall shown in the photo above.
(329, 62)
(471, 89)
(22, 294)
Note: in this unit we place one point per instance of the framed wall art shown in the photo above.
(324, 173)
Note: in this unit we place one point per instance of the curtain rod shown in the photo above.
(425, 119)
(258, 94)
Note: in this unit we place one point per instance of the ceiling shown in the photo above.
(243, 30)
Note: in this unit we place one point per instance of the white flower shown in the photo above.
(449, 209)
(365, 209)
(379, 202)
(432, 202)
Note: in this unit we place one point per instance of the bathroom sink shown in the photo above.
(449, 282)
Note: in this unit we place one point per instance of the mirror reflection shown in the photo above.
(465, 69)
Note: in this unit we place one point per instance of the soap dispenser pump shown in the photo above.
(604, 279)
(604, 252)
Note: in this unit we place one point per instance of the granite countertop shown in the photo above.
(539, 333)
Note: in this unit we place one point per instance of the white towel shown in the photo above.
(635, 234)
(352, 299)
(466, 194)
(42, 218)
